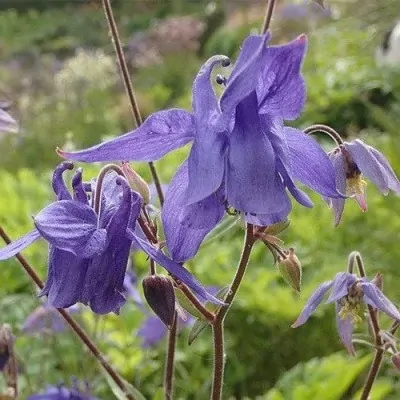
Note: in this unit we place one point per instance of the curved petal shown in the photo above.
(339, 166)
(18, 245)
(341, 285)
(375, 298)
(161, 133)
(182, 241)
(368, 164)
(206, 159)
(345, 330)
(393, 181)
(7, 122)
(281, 89)
(64, 286)
(78, 188)
(58, 184)
(71, 226)
(310, 164)
(251, 183)
(174, 268)
(313, 302)
(243, 79)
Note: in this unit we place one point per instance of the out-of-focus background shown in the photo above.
(58, 78)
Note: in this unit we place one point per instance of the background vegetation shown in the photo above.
(58, 73)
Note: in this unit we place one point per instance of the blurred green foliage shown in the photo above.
(78, 101)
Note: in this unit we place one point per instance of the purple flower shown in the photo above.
(61, 393)
(348, 292)
(46, 318)
(89, 247)
(242, 155)
(351, 160)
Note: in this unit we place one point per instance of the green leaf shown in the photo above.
(187, 305)
(119, 394)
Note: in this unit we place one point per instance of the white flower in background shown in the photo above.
(388, 52)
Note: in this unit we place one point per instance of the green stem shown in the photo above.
(218, 326)
(128, 85)
(84, 338)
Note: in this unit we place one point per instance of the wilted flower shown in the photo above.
(90, 244)
(242, 155)
(353, 159)
(348, 292)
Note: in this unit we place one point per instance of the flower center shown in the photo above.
(355, 185)
(351, 304)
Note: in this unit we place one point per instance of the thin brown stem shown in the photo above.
(84, 338)
(374, 322)
(268, 16)
(218, 326)
(170, 362)
(128, 85)
(195, 302)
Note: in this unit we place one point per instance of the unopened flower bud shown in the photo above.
(378, 281)
(290, 269)
(138, 184)
(159, 293)
(396, 360)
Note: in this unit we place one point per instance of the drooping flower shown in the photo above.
(61, 393)
(353, 159)
(348, 292)
(90, 243)
(242, 156)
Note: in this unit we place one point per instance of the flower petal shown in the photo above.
(58, 184)
(152, 331)
(339, 166)
(105, 276)
(310, 164)
(182, 241)
(281, 89)
(16, 246)
(345, 330)
(206, 159)
(7, 122)
(368, 164)
(375, 298)
(251, 171)
(341, 285)
(175, 269)
(243, 79)
(393, 181)
(65, 284)
(78, 188)
(161, 133)
(71, 226)
(313, 302)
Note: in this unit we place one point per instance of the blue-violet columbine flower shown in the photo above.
(353, 159)
(242, 157)
(348, 292)
(90, 243)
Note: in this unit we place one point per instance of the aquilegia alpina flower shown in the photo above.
(348, 292)
(353, 159)
(242, 156)
(90, 243)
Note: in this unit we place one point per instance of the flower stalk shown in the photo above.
(108, 12)
(218, 326)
